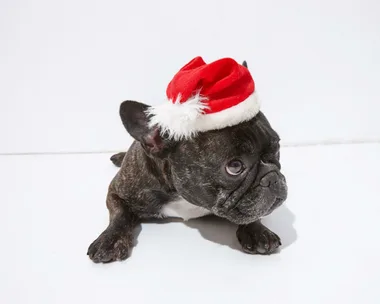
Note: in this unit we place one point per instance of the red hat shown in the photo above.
(204, 97)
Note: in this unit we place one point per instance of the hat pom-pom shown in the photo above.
(177, 120)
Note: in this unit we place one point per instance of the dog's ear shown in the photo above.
(244, 64)
(135, 120)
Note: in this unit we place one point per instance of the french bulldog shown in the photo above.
(233, 173)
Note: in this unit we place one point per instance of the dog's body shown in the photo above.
(232, 173)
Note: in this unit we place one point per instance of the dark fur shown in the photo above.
(156, 170)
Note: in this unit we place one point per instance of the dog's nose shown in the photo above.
(270, 180)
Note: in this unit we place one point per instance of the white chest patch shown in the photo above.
(183, 209)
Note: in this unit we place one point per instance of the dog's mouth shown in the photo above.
(249, 210)
(277, 203)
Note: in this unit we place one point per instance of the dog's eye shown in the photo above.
(235, 167)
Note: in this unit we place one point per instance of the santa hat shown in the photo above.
(204, 97)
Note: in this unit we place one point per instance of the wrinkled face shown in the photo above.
(234, 172)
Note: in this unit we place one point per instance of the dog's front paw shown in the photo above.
(257, 239)
(109, 247)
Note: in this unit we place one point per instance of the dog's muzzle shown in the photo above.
(263, 190)
(276, 182)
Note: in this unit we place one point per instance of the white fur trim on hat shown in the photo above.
(184, 120)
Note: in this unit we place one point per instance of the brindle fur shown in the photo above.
(156, 170)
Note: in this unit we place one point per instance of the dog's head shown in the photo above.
(233, 172)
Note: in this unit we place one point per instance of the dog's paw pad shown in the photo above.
(261, 241)
(107, 248)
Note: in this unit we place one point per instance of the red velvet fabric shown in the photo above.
(224, 82)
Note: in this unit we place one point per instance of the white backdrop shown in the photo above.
(66, 66)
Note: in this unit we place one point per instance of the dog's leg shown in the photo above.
(117, 159)
(255, 238)
(116, 241)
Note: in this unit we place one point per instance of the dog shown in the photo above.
(232, 172)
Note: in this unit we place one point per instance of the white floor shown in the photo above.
(53, 207)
